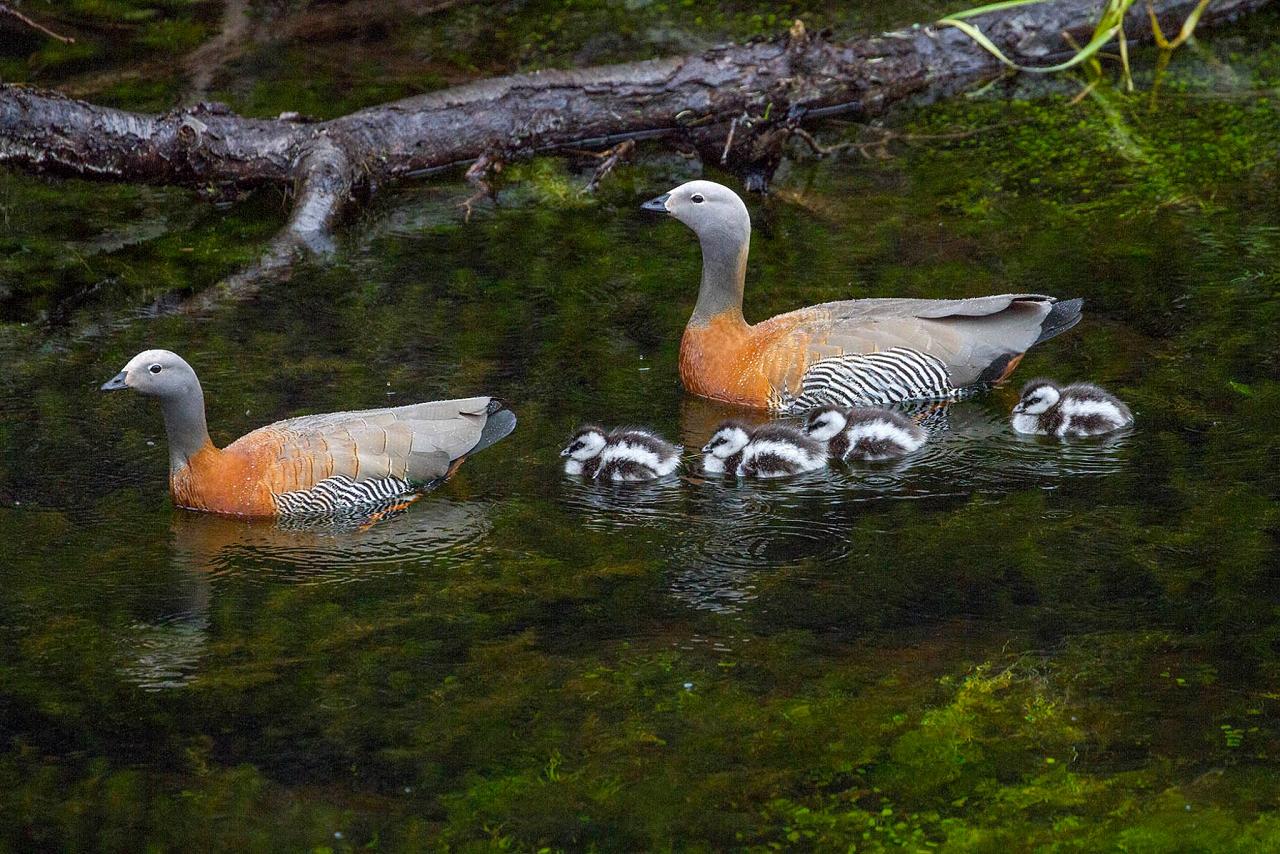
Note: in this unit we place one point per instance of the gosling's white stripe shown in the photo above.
(712, 464)
(797, 458)
(628, 452)
(572, 466)
(871, 379)
(620, 457)
(881, 431)
(1076, 408)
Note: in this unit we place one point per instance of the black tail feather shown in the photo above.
(499, 425)
(1062, 316)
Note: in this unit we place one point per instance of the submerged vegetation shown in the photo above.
(1043, 657)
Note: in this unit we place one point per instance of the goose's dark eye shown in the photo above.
(697, 199)
(155, 369)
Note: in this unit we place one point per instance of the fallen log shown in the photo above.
(736, 104)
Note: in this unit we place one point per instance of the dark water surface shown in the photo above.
(1000, 644)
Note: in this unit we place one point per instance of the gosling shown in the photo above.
(624, 454)
(723, 450)
(1074, 411)
(865, 434)
(770, 450)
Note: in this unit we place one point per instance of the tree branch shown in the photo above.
(737, 103)
(9, 11)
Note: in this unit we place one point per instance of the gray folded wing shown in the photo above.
(415, 443)
(968, 336)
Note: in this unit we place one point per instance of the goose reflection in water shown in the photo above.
(738, 529)
(165, 651)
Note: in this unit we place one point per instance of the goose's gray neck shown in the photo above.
(184, 423)
(724, 271)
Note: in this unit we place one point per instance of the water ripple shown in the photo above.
(434, 533)
(735, 530)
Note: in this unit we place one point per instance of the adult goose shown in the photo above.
(337, 463)
(851, 353)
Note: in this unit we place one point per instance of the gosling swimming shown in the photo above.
(623, 454)
(723, 450)
(770, 450)
(1077, 410)
(861, 433)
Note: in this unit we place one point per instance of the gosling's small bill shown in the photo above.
(1074, 411)
(865, 434)
(622, 454)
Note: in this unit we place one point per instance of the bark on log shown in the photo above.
(735, 103)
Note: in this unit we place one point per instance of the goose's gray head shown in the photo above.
(588, 442)
(729, 438)
(156, 373)
(1038, 396)
(710, 209)
(825, 422)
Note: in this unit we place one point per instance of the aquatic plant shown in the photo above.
(1110, 27)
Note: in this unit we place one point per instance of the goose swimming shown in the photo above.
(865, 352)
(314, 464)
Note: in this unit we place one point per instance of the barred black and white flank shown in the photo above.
(1078, 410)
(864, 434)
(624, 454)
(872, 379)
(339, 494)
(779, 450)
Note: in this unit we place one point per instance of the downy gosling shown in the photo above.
(770, 450)
(1077, 410)
(865, 434)
(623, 454)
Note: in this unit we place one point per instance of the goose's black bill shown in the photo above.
(658, 205)
(116, 383)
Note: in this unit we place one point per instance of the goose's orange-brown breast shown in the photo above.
(726, 359)
(226, 481)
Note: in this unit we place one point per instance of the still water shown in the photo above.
(1001, 642)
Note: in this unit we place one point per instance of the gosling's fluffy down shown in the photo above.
(863, 433)
(1077, 410)
(770, 450)
(622, 454)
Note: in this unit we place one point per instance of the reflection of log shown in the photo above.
(735, 103)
